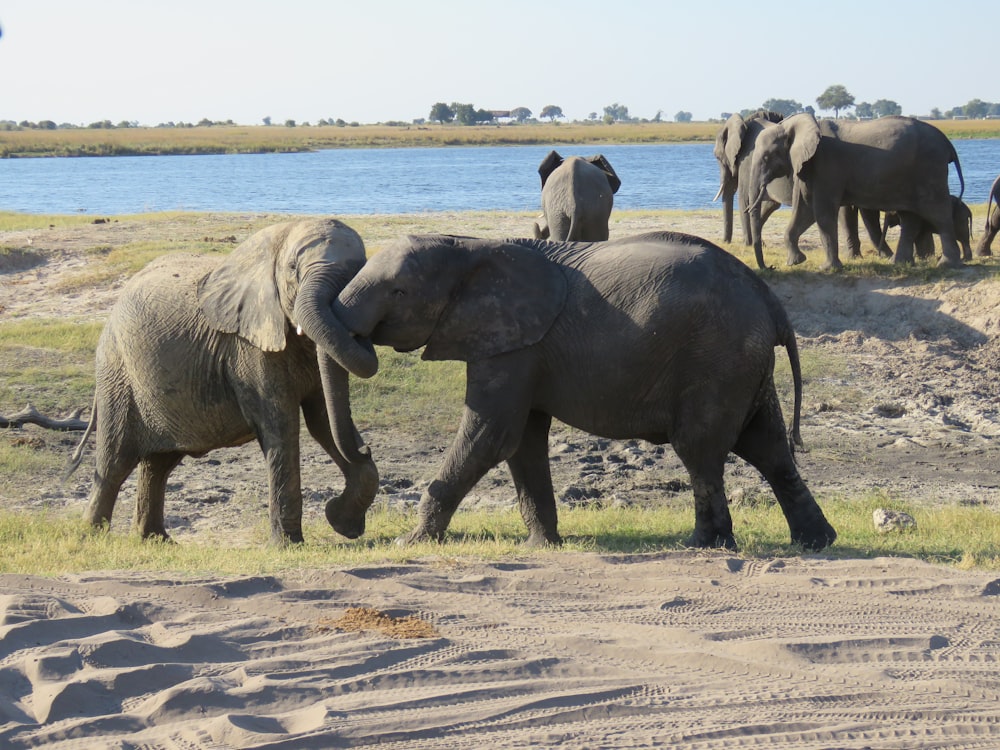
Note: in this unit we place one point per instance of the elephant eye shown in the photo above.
(398, 292)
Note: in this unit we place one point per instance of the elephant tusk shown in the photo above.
(718, 194)
(298, 330)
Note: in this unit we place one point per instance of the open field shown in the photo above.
(260, 138)
(622, 639)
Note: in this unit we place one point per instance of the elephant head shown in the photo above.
(733, 143)
(783, 151)
(284, 280)
(553, 161)
(459, 298)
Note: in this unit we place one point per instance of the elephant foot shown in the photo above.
(832, 265)
(158, 535)
(795, 258)
(280, 538)
(984, 253)
(946, 262)
(817, 537)
(542, 540)
(713, 540)
(417, 536)
(899, 260)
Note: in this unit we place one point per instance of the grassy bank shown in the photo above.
(50, 545)
(267, 139)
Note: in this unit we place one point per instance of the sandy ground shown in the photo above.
(679, 649)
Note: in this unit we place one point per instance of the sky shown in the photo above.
(158, 61)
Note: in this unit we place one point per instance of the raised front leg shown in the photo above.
(801, 220)
(529, 467)
(150, 494)
(496, 410)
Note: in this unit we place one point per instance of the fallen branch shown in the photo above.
(29, 414)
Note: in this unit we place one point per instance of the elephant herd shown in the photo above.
(663, 337)
(829, 168)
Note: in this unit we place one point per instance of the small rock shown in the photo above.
(890, 411)
(887, 521)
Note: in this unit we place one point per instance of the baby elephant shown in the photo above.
(663, 337)
(923, 243)
(577, 196)
(201, 353)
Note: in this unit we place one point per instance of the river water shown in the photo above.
(383, 180)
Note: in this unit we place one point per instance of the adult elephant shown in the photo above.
(923, 243)
(202, 353)
(992, 220)
(662, 336)
(734, 144)
(890, 164)
(577, 197)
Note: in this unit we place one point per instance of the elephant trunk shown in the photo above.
(727, 188)
(336, 350)
(314, 315)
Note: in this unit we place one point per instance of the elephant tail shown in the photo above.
(792, 348)
(958, 168)
(74, 460)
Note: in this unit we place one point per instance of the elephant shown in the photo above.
(577, 196)
(734, 144)
(890, 164)
(664, 337)
(923, 243)
(992, 220)
(201, 353)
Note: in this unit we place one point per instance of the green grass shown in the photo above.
(45, 544)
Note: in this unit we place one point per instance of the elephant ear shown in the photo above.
(732, 134)
(803, 134)
(508, 301)
(549, 164)
(241, 295)
(604, 165)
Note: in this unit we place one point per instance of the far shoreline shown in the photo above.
(261, 139)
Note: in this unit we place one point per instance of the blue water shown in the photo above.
(386, 180)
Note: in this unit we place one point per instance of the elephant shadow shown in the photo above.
(885, 308)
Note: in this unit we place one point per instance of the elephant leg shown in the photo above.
(923, 243)
(869, 218)
(764, 444)
(826, 219)
(113, 464)
(801, 220)
(529, 467)
(943, 224)
(849, 221)
(992, 227)
(346, 512)
(280, 444)
(909, 227)
(496, 412)
(149, 500)
(713, 526)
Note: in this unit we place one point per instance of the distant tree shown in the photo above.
(864, 110)
(552, 112)
(289, 123)
(616, 113)
(441, 113)
(521, 114)
(976, 108)
(783, 107)
(465, 114)
(835, 97)
(46, 125)
(592, 116)
(658, 117)
(204, 122)
(936, 114)
(683, 116)
(886, 107)
(994, 110)
(809, 108)
(267, 120)
(483, 115)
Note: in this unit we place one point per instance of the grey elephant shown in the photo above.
(923, 243)
(202, 353)
(893, 163)
(734, 144)
(992, 220)
(577, 197)
(661, 336)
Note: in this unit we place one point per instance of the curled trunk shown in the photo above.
(336, 350)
